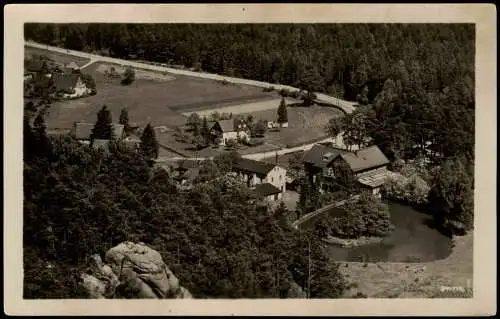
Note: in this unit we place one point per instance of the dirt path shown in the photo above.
(346, 106)
(412, 280)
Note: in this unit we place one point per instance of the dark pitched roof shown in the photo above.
(63, 81)
(266, 189)
(252, 166)
(226, 125)
(82, 131)
(365, 158)
(320, 155)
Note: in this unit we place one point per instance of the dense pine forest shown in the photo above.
(80, 201)
(336, 58)
(415, 86)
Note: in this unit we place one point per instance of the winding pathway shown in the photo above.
(346, 106)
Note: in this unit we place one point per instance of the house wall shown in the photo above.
(277, 177)
(226, 136)
(80, 89)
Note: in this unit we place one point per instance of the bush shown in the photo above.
(367, 216)
(413, 189)
(128, 76)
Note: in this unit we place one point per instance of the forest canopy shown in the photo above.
(346, 60)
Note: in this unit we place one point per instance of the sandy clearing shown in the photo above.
(245, 107)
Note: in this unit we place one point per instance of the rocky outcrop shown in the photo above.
(132, 271)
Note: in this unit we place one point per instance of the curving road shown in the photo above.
(346, 106)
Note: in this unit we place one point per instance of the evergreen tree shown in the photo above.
(29, 141)
(103, 129)
(124, 120)
(42, 142)
(282, 112)
(205, 130)
(149, 145)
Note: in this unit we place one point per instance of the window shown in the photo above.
(330, 171)
(272, 179)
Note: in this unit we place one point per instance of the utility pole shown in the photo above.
(309, 271)
(178, 255)
(278, 276)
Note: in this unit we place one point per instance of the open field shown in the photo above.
(158, 102)
(268, 104)
(413, 280)
(164, 99)
(305, 124)
(59, 58)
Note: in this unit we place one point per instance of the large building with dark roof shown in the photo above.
(257, 173)
(368, 166)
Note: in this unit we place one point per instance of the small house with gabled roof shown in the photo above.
(69, 85)
(234, 129)
(256, 173)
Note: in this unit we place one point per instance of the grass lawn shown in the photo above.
(147, 100)
(413, 280)
(59, 58)
(305, 124)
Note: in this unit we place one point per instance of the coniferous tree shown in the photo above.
(149, 145)
(124, 120)
(42, 142)
(29, 141)
(205, 130)
(103, 129)
(282, 112)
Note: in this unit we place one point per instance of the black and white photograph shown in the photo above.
(253, 160)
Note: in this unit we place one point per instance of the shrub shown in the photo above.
(412, 189)
(128, 76)
(367, 216)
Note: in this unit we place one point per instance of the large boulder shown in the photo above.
(132, 271)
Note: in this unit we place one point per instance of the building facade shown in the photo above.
(257, 173)
(226, 130)
(367, 166)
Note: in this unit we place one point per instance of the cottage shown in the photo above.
(256, 173)
(69, 85)
(82, 131)
(368, 166)
(267, 192)
(226, 130)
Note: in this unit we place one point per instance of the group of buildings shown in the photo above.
(237, 130)
(66, 80)
(82, 132)
(269, 181)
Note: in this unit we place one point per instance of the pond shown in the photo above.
(411, 241)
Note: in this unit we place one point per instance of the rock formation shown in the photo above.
(131, 271)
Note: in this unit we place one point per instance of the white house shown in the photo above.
(257, 173)
(70, 85)
(226, 130)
